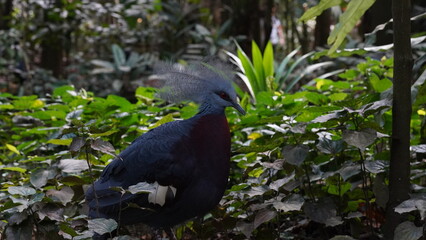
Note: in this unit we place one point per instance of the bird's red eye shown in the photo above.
(223, 95)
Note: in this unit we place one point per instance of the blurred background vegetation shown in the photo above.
(311, 157)
(110, 46)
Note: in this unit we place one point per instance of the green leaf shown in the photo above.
(264, 98)
(121, 102)
(360, 139)
(65, 142)
(64, 195)
(104, 66)
(268, 60)
(256, 172)
(107, 133)
(145, 92)
(49, 115)
(77, 143)
(293, 203)
(119, 56)
(102, 225)
(103, 146)
(408, 231)
(335, 97)
(379, 85)
(12, 148)
(163, 120)
(20, 190)
(295, 154)
(318, 9)
(258, 66)
(354, 11)
(249, 70)
(73, 165)
(263, 216)
(40, 176)
(62, 91)
(15, 169)
(339, 190)
(328, 146)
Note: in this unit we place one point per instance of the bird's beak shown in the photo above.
(239, 108)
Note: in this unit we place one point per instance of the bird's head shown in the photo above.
(208, 84)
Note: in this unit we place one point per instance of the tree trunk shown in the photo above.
(6, 7)
(379, 13)
(252, 19)
(52, 47)
(322, 28)
(399, 181)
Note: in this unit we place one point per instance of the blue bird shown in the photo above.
(184, 165)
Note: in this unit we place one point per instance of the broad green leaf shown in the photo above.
(275, 185)
(163, 120)
(295, 154)
(413, 204)
(335, 97)
(64, 195)
(12, 148)
(119, 56)
(40, 176)
(339, 190)
(360, 139)
(318, 9)
(49, 115)
(263, 216)
(103, 146)
(73, 165)
(65, 142)
(293, 203)
(268, 60)
(104, 66)
(379, 85)
(329, 146)
(408, 231)
(320, 211)
(102, 225)
(256, 172)
(258, 66)
(124, 104)
(21, 190)
(145, 92)
(264, 98)
(248, 69)
(62, 91)
(354, 11)
(77, 143)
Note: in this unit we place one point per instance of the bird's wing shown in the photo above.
(161, 158)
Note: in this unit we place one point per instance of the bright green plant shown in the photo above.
(257, 73)
(260, 74)
(308, 164)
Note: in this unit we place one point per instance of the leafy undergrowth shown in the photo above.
(308, 165)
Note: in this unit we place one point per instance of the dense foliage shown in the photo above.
(310, 159)
(312, 164)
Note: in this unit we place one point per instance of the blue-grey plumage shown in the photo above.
(187, 161)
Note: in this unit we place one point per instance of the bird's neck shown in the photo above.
(207, 108)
